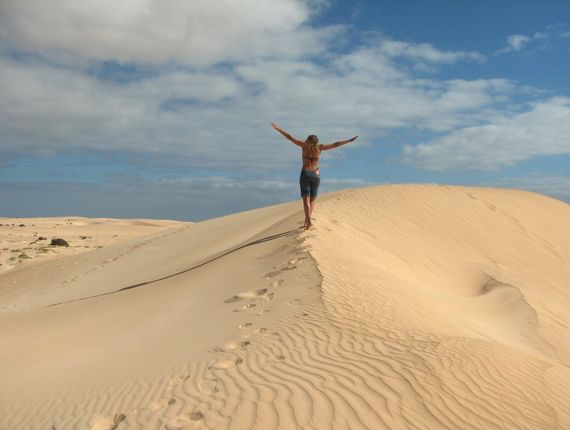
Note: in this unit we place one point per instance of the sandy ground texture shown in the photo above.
(405, 307)
(23, 240)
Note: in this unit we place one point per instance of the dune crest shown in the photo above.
(406, 307)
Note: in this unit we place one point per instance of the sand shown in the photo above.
(405, 307)
(23, 240)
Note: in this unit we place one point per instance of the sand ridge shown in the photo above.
(406, 307)
(128, 364)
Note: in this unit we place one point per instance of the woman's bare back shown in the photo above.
(311, 155)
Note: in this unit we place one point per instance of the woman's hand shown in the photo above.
(287, 135)
(337, 144)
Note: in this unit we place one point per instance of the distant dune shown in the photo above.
(27, 240)
(405, 307)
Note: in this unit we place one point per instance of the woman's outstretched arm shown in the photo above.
(287, 135)
(337, 144)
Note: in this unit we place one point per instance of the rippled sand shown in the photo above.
(406, 307)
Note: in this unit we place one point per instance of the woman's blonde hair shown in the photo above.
(312, 143)
(313, 140)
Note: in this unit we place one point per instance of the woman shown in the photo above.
(310, 176)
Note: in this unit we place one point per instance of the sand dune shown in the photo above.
(406, 307)
(27, 240)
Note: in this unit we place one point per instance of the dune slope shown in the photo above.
(450, 306)
(406, 307)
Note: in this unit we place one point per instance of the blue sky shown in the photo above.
(161, 109)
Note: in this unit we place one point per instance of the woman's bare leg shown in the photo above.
(308, 210)
(312, 206)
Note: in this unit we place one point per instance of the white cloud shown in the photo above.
(219, 118)
(190, 111)
(426, 52)
(518, 42)
(47, 109)
(367, 89)
(504, 141)
(515, 42)
(197, 32)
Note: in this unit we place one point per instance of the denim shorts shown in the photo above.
(309, 182)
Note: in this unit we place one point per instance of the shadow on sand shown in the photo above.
(130, 287)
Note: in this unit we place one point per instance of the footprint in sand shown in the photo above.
(208, 386)
(289, 265)
(275, 273)
(232, 299)
(271, 275)
(183, 421)
(106, 423)
(163, 403)
(260, 330)
(297, 260)
(117, 419)
(196, 416)
(226, 364)
(247, 295)
(232, 346)
(249, 306)
(294, 302)
(245, 325)
(277, 284)
(275, 358)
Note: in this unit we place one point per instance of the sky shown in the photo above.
(162, 108)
